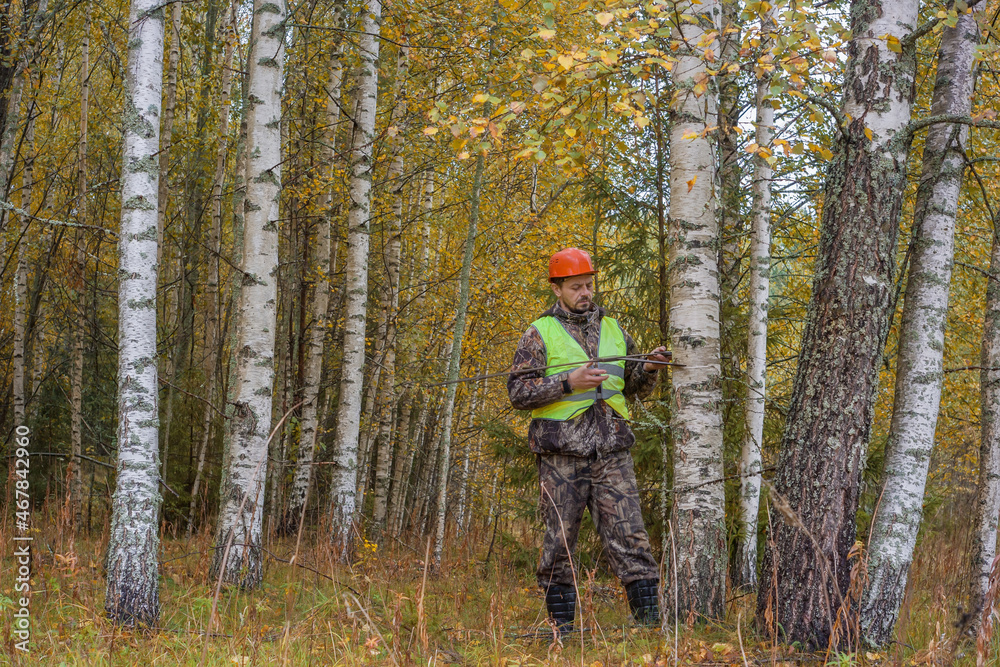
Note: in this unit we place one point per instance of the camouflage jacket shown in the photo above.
(599, 430)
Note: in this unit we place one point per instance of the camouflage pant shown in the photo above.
(606, 485)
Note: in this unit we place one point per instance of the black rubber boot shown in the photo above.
(560, 600)
(643, 601)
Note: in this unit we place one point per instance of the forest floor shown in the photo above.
(382, 611)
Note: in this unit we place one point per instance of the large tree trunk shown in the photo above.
(391, 295)
(698, 519)
(343, 488)
(321, 299)
(237, 556)
(213, 339)
(133, 544)
(830, 412)
(455, 358)
(921, 339)
(760, 285)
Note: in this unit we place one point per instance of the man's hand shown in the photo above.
(586, 377)
(665, 358)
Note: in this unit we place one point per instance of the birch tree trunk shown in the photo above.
(316, 333)
(391, 294)
(166, 139)
(213, 340)
(832, 403)
(760, 285)
(133, 544)
(343, 488)
(455, 358)
(237, 555)
(75, 472)
(919, 370)
(699, 514)
(984, 533)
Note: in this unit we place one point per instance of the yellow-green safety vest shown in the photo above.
(561, 348)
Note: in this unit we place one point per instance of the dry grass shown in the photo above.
(378, 612)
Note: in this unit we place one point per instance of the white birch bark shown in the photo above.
(699, 513)
(760, 285)
(391, 294)
(454, 363)
(343, 488)
(75, 472)
(321, 298)
(213, 340)
(984, 533)
(237, 556)
(133, 543)
(921, 341)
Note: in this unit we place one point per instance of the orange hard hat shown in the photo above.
(570, 262)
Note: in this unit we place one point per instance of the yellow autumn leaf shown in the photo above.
(430, 131)
(604, 18)
(566, 61)
(546, 34)
(869, 133)
(691, 183)
(570, 132)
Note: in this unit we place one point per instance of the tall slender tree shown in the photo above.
(833, 395)
(984, 530)
(391, 294)
(237, 558)
(343, 487)
(921, 339)
(698, 517)
(760, 281)
(317, 330)
(213, 337)
(133, 544)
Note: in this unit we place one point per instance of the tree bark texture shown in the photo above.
(816, 485)
(133, 544)
(698, 516)
(760, 285)
(919, 369)
(237, 556)
(343, 487)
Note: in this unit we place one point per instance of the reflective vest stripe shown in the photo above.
(562, 348)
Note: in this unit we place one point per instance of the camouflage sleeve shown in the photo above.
(532, 390)
(638, 383)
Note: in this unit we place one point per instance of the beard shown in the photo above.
(582, 306)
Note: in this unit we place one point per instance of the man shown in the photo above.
(581, 438)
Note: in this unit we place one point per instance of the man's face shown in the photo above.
(576, 294)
